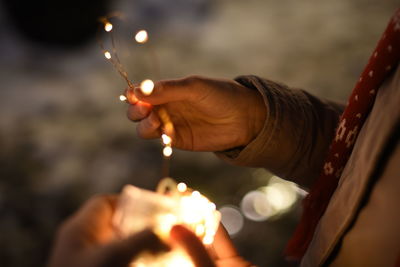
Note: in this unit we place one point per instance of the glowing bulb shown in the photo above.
(107, 55)
(212, 206)
(147, 87)
(167, 151)
(108, 27)
(179, 259)
(141, 37)
(122, 98)
(196, 194)
(207, 240)
(166, 139)
(200, 230)
(181, 187)
(165, 223)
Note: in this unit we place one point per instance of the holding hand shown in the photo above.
(207, 114)
(88, 239)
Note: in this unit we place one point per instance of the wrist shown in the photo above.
(256, 114)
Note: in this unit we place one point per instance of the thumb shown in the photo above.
(170, 90)
(121, 253)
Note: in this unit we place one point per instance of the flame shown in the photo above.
(122, 98)
(147, 87)
(108, 27)
(141, 36)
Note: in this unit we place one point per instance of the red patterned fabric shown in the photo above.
(383, 60)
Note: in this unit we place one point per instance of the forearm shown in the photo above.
(296, 135)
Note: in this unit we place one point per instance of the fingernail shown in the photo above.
(131, 96)
(138, 91)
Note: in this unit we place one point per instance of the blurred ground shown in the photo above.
(64, 135)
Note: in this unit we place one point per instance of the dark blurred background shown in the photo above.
(64, 135)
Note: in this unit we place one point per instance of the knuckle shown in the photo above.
(192, 79)
(141, 131)
(134, 114)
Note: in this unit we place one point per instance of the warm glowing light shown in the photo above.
(182, 187)
(108, 27)
(168, 127)
(207, 240)
(166, 139)
(200, 230)
(165, 223)
(122, 98)
(141, 37)
(196, 194)
(179, 259)
(107, 55)
(162, 212)
(167, 151)
(147, 87)
(212, 206)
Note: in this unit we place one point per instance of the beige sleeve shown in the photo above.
(296, 134)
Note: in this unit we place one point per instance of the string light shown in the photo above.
(182, 187)
(107, 55)
(162, 210)
(108, 27)
(141, 37)
(123, 98)
(147, 87)
(167, 151)
(166, 139)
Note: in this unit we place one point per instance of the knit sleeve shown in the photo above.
(296, 135)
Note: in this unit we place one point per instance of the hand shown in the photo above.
(207, 114)
(222, 252)
(87, 239)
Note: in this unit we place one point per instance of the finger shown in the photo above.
(192, 245)
(170, 91)
(130, 95)
(222, 245)
(149, 128)
(122, 253)
(92, 222)
(139, 111)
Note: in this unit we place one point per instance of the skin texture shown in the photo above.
(87, 239)
(207, 114)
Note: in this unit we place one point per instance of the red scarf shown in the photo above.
(383, 60)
